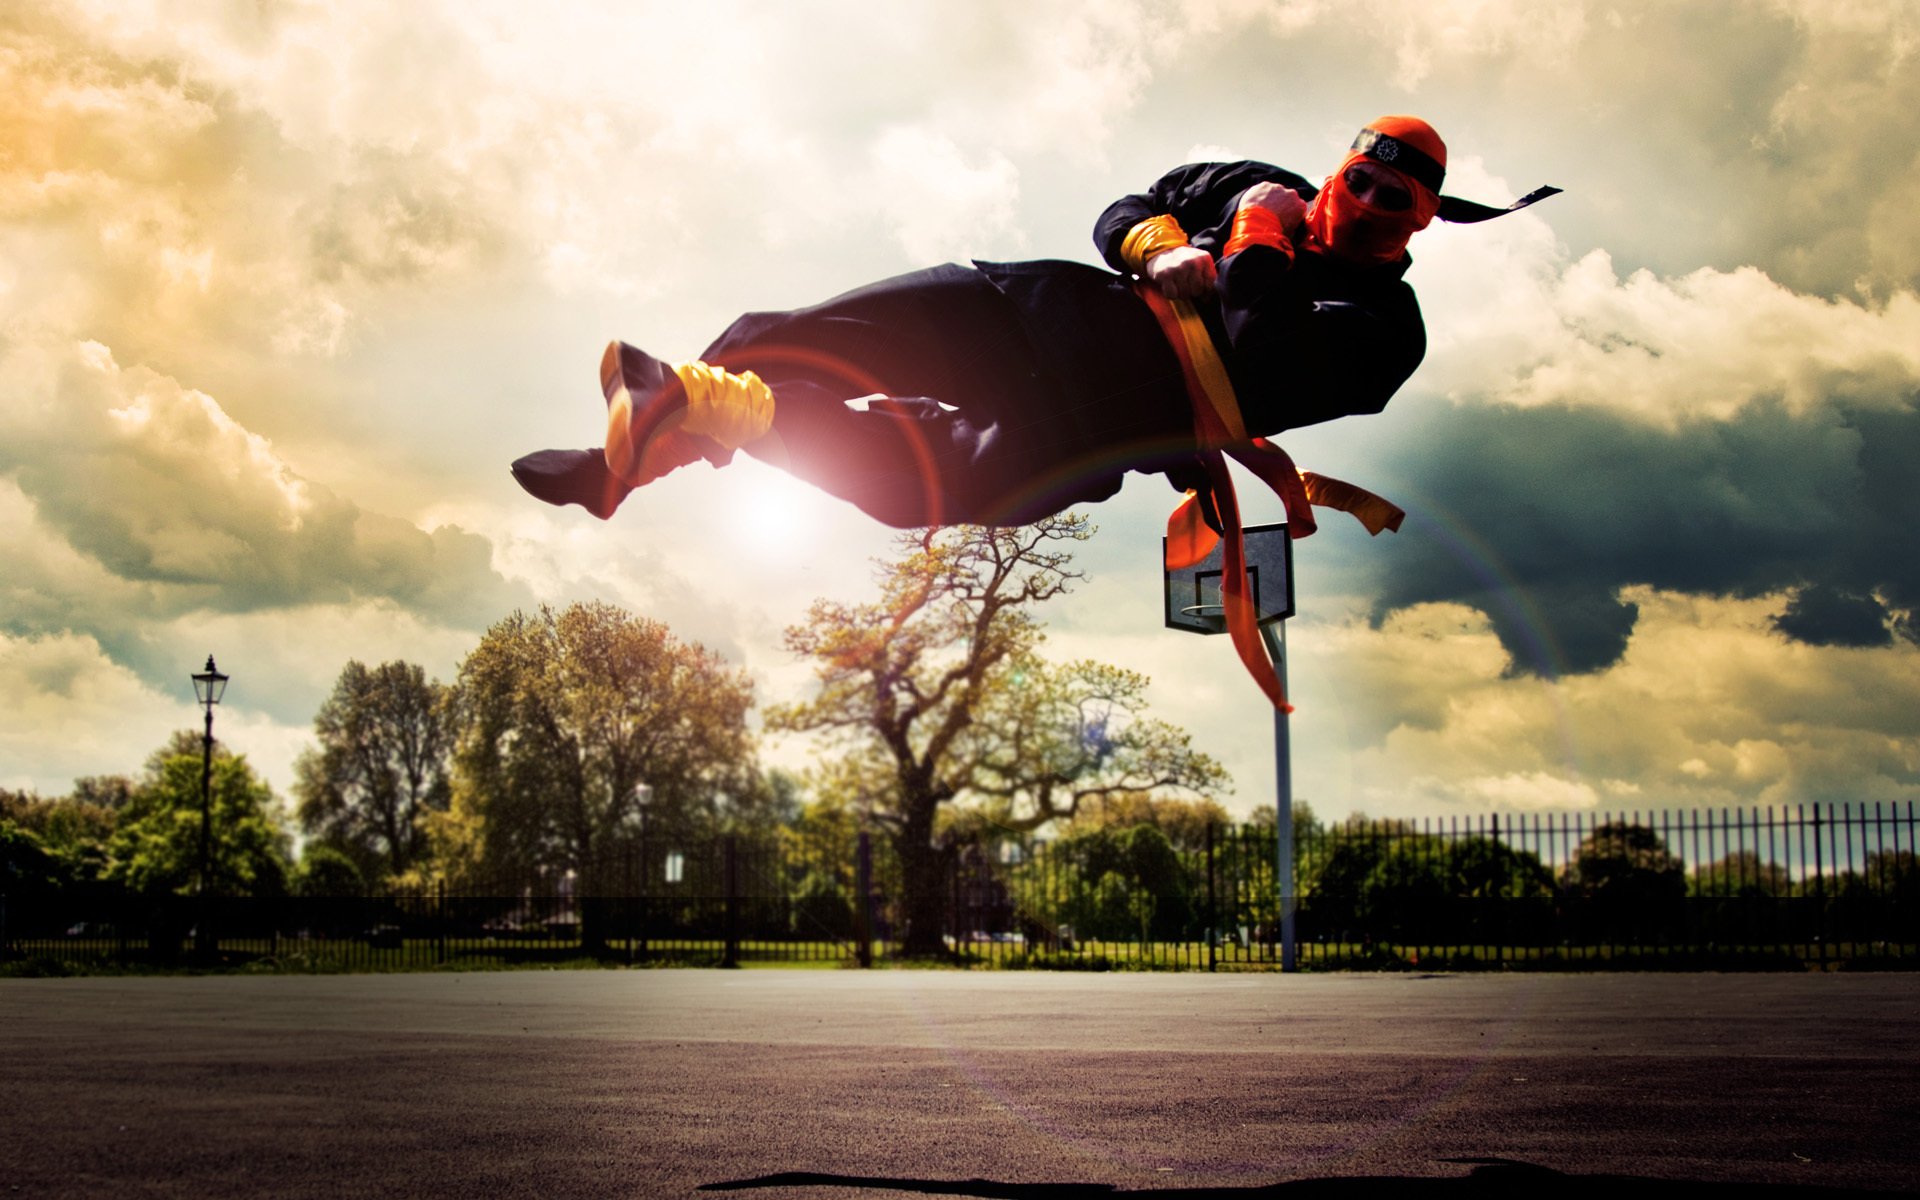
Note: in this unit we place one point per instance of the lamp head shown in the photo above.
(210, 685)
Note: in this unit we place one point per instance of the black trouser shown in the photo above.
(974, 429)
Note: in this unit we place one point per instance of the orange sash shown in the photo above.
(1220, 430)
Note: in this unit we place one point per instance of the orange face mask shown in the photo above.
(1364, 230)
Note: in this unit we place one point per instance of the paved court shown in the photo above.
(818, 1084)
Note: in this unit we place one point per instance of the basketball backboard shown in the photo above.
(1193, 593)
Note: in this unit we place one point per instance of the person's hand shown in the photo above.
(1282, 202)
(1182, 273)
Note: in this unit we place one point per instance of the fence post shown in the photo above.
(731, 957)
(863, 899)
(440, 917)
(1213, 906)
(1819, 890)
(953, 917)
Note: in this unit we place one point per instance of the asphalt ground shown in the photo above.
(818, 1084)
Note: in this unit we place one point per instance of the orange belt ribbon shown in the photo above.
(1219, 430)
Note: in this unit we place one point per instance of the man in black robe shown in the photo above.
(1003, 392)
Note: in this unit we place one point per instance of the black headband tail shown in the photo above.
(1466, 212)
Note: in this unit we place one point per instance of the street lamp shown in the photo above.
(208, 687)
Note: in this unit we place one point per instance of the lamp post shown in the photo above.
(208, 687)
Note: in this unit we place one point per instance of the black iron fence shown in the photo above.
(1807, 887)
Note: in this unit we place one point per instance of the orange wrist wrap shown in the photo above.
(1257, 226)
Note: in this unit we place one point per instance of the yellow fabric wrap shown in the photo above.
(731, 409)
(1149, 238)
(1215, 384)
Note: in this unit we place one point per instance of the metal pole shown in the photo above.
(206, 831)
(1275, 634)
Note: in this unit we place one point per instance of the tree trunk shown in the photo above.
(924, 883)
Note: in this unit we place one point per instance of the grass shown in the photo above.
(291, 957)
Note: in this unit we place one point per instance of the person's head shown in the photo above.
(1385, 190)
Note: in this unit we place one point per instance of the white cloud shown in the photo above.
(1534, 791)
(940, 205)
(346, 255)
(1675, 724)
(156, 481)
(73, 712)
(1459, 32)
(1512, 328)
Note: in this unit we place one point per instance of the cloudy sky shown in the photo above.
(285, 286)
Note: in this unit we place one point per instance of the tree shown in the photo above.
(385, 742)
(1184, 821)
(1631, 884)
(1740, 873)
(1129, 882)
(768, 804)
(1047, 741)
(565, 715)
(110, 792)
(28, 874)
(155, 848)
(327, 871)
(934, 693)
(456, 857)
(73, 831)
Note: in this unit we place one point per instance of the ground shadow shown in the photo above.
(1490, 1177)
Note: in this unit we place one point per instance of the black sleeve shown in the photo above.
(1201, 196)
(1308, 339)
(1316, 342)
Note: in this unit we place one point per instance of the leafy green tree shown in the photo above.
(456, 857)
(1629, 885)
(1741, 873)
(327, 871)
(109, 792)
(934, 693)
(1883, 899)
(1047, 741)
(564, 715)
(385, 742)
(1183, 820)
(155, 848)
(1129, 883)
(768, 803)
(1334, 878)
(821, 906)
(1894, 873)
(71, 830)
(1388, 880)
(28, 874)
(14, 804)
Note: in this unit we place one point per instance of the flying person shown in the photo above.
(1242, 302)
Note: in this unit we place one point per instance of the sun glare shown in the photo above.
(775, 517)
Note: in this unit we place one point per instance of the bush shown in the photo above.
(822, 908)
(327, 871)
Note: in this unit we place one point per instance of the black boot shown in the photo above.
(572, 477)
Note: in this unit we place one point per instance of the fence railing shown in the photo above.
(1814, 886)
